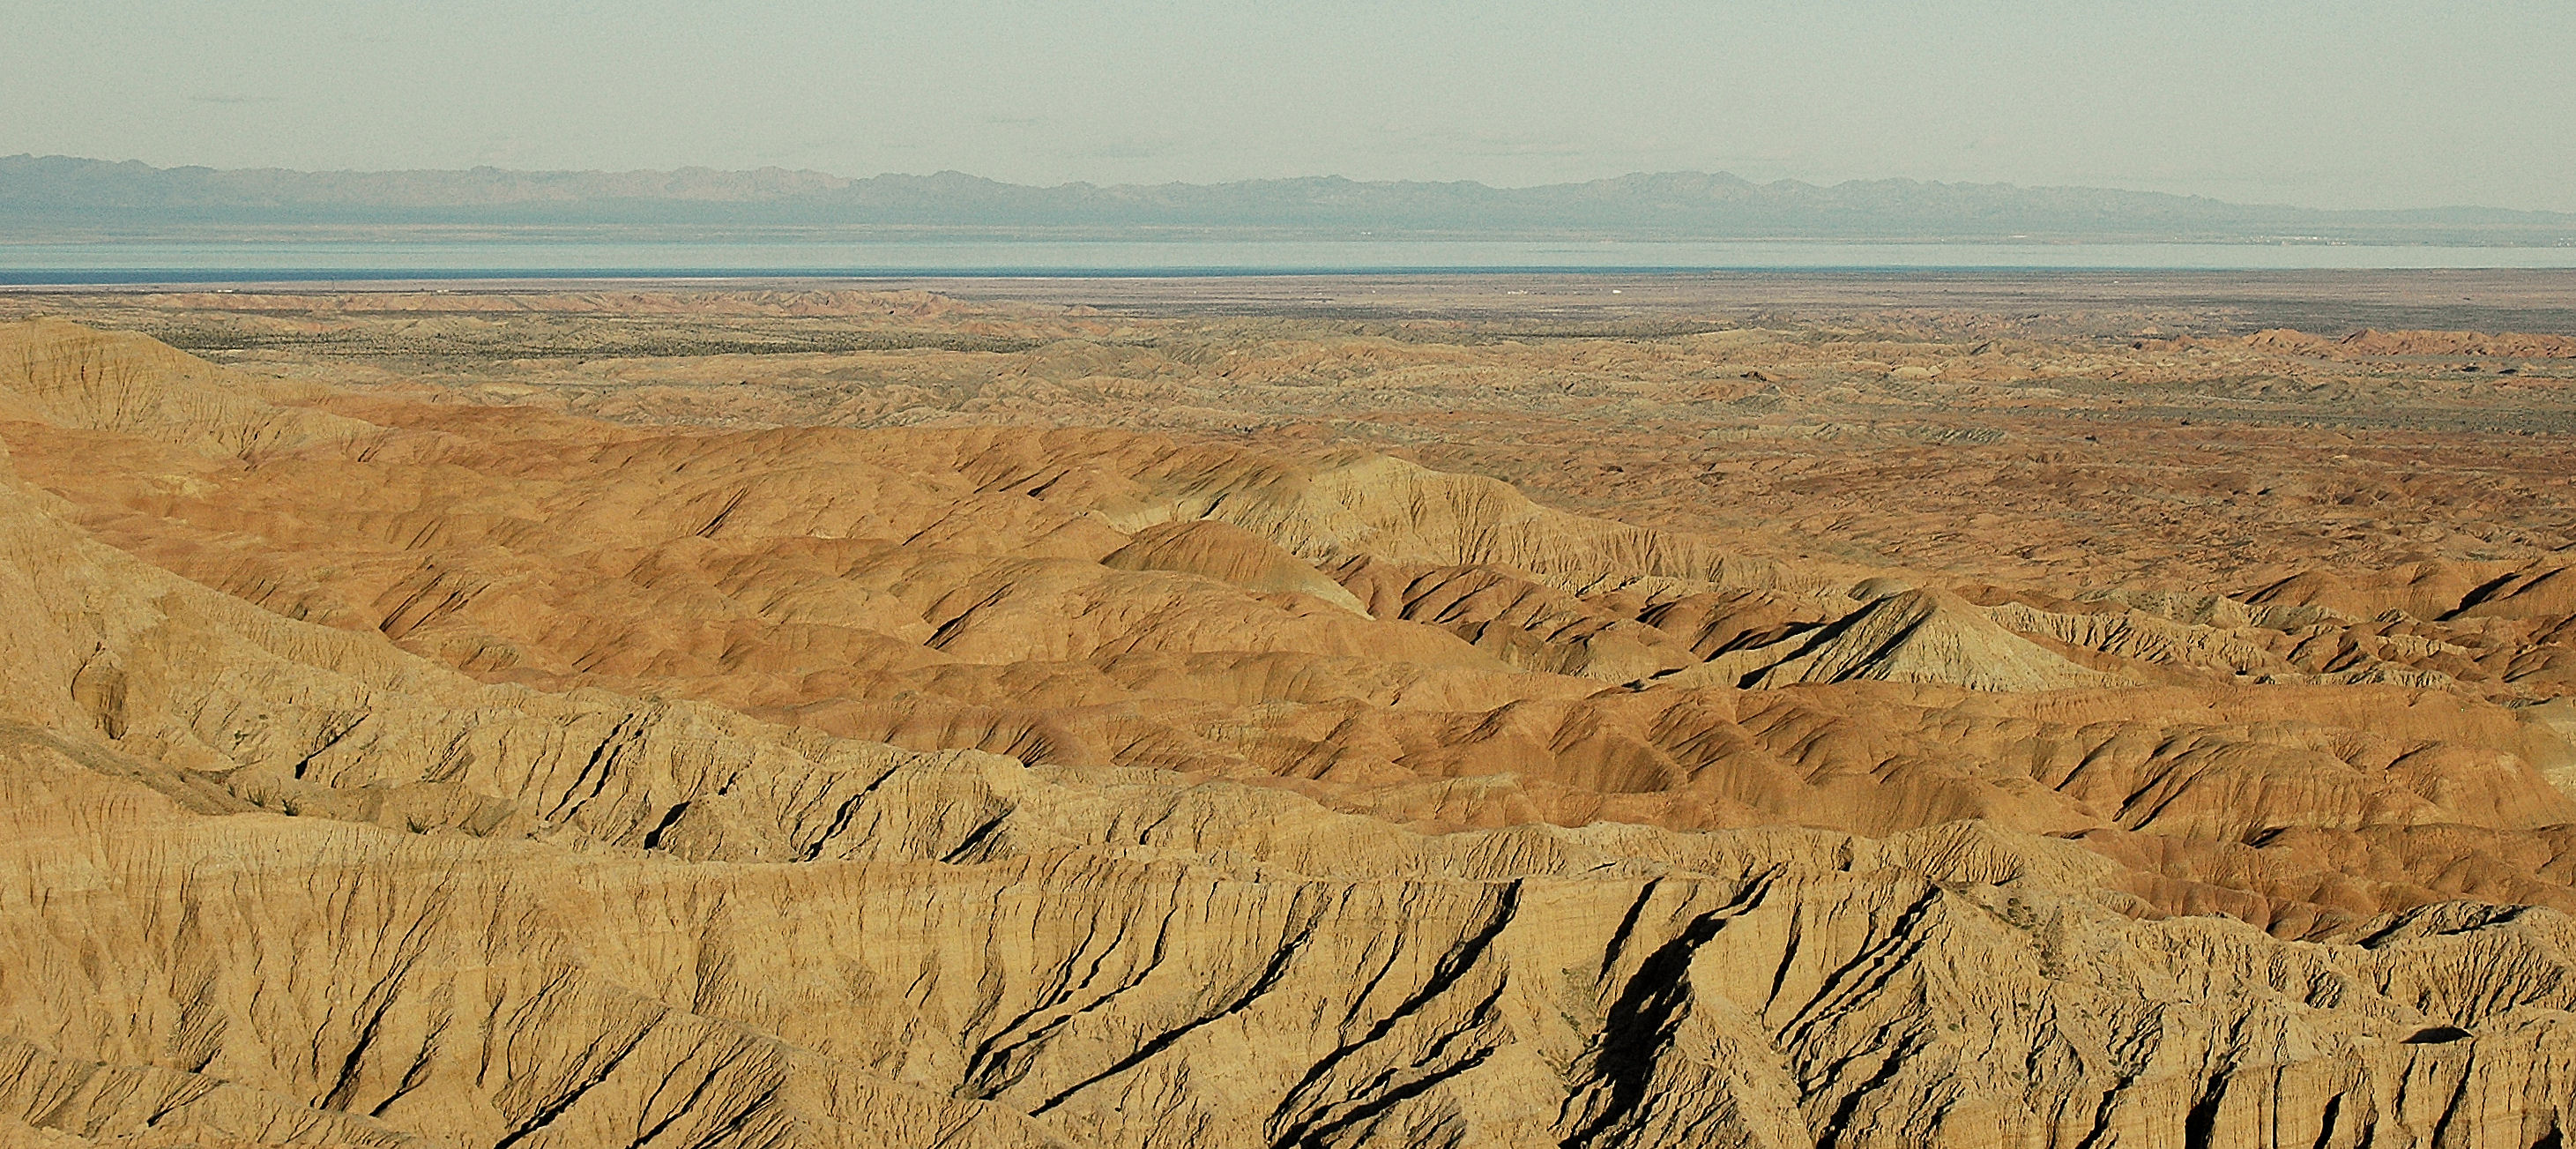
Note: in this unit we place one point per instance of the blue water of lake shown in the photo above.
(129, 262)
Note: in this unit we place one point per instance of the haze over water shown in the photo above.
(204, 261)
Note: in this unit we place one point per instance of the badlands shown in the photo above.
(1467, 712)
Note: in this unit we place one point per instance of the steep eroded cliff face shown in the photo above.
(381, 771)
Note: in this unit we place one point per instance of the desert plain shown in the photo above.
(2079, 710)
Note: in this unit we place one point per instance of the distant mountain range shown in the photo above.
(50, 193)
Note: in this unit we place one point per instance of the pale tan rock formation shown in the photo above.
(451, 775)
(1924, 636)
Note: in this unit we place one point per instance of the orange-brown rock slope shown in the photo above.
(382, 769)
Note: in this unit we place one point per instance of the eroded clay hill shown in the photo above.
(379, 768)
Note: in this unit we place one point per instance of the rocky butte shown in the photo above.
(705, 719)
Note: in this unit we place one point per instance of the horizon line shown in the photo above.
(1310, 178)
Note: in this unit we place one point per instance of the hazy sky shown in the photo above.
(2353, 104)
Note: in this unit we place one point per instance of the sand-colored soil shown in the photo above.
(715, 718)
